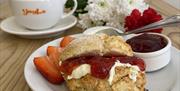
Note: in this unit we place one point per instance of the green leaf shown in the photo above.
(81, 4)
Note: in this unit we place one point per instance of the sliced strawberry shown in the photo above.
(51, 50)
(48, 70)
(65, 41)
(54, 52)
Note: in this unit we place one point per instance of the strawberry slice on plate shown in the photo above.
(47, 68)
(54, 52)
(65, 41)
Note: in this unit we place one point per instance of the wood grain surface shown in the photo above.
(14, 50)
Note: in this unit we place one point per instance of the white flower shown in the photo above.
(139, 4)
(99, 10)
(116, 21)
(109, 12)
(85, 21)
(127, 6)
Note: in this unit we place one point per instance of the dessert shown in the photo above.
(101, 63)
(93, 63)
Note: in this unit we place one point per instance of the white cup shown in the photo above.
(39, 14)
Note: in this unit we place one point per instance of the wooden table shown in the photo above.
(14, 51)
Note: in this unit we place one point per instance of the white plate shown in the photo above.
(10, 26)
(162, 80)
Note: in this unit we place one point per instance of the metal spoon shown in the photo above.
(169, 21)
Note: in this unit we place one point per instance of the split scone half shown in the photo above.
(101, 63)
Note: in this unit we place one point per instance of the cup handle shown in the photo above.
(72, 11)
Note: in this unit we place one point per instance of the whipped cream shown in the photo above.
(80, 71)
(133, 71)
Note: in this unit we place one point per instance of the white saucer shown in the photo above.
(10, 26)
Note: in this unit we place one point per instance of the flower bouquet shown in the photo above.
(128, 14)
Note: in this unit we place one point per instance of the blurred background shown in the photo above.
(4, 4)
(4, 13)
(175, 3)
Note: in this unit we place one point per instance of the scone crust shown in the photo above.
(96, 45)
(115, 45)
(81, 46)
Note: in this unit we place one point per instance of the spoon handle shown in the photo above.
(169, 21)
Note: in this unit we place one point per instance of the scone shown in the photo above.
(96, 45)
(101, 63)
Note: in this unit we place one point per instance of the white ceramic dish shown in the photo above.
(10, 26)
(161, 80)
(155, 60)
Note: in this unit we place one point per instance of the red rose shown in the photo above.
(137, 20)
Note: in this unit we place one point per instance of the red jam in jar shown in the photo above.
(100, 65)
(147, 43)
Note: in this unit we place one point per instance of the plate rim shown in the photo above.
(41, 32)
(46, 44)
